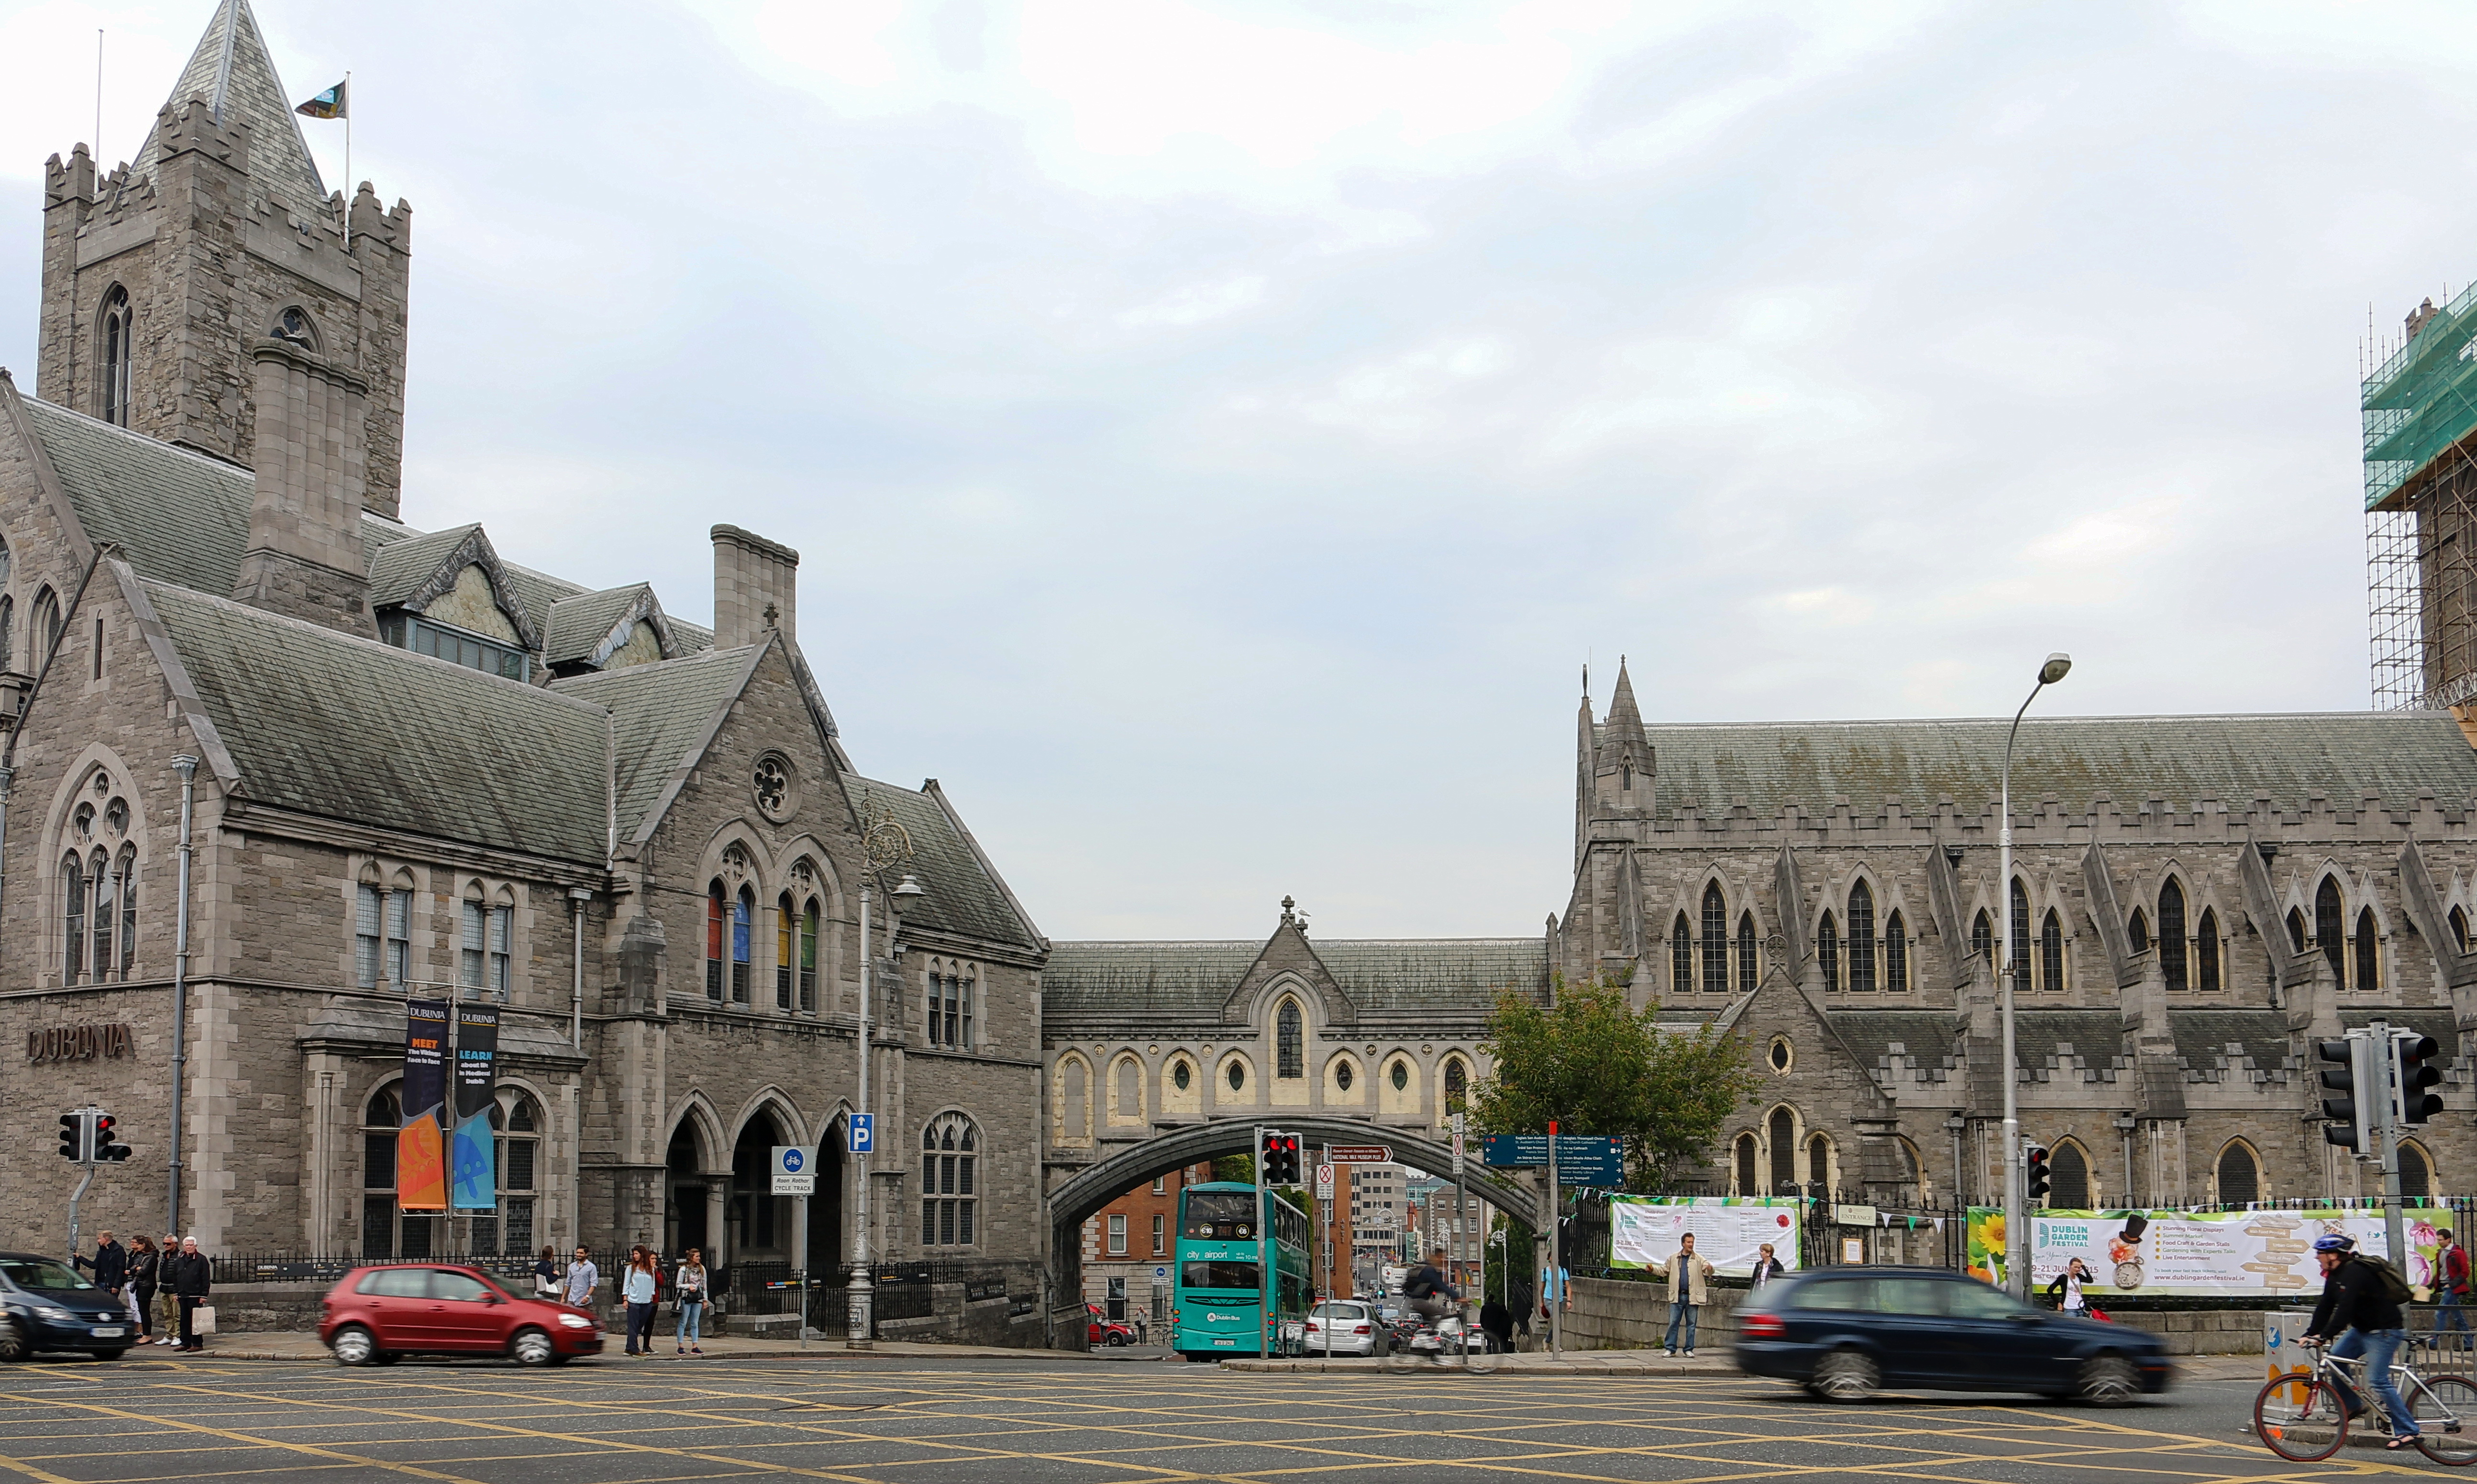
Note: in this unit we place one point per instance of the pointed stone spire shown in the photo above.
(1623, 764)
(233, 73)
(1625, 721)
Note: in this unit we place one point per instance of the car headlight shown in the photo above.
(576, 1322)
(46, 1311)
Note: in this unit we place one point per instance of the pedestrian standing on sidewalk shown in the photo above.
(109, 1266)
(167, 1305)
(2450, 1287)
(2066, 1289)
(1685, 1274)
(583, 1278)
(192, 1280)
(1767, 1268)
(144, 1271)
(638, 1287)
(692, 1300)
(547, 1274)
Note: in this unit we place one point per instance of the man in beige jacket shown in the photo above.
(1685, 1274)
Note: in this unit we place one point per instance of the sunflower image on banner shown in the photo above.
(421, 1156)
(477, 1050)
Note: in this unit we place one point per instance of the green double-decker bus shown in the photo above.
(1218, 1307)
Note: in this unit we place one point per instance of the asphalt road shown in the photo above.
(1048, 1419)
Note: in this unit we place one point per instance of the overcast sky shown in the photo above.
(1217, 435)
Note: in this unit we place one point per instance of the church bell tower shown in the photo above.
(164, 279)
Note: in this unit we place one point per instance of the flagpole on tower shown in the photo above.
(344, 94)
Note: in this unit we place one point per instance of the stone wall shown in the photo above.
(1608, 1313)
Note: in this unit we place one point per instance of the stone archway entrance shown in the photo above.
(1086, 1191)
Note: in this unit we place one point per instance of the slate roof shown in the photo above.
(2182, 759)
(2096, 1036)
(659, 712)
(1098, 981)
(233, 72)
(579, 624)
(400, 567)
(963, 899)
(1927, 1036)
(354, 729)
(2203, 1036)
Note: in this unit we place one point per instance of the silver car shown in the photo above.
(1355, 1328)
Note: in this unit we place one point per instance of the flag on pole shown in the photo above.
(329, 104)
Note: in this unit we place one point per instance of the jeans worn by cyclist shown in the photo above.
(2367, 1322)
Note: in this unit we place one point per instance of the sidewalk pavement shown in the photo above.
(295, 1345)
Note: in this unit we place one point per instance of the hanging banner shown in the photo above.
(1643, 1230)
(420, 1162)
(476, 1162)
(2223, 1255)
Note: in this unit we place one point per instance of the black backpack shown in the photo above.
(2394, 1286)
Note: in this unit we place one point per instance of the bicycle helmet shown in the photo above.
(2335, 1241)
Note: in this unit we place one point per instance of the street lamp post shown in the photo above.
(2017, 1232)
(884, 844)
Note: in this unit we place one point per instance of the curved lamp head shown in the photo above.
(909, 889)
(2057, 667)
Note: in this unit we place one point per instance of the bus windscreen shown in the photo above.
(1220, 1213)
(1244, 1276)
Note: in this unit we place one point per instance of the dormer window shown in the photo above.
(420, 636)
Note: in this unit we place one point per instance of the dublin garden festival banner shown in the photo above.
(2205, 1254)
(1643, 1230)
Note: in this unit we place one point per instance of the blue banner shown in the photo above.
(475, 1154)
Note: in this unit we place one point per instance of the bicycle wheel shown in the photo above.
(1482, 1360)
(1402, 1360)
(2300, 1418)
(2445, 1409)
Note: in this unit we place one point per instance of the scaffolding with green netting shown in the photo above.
(2419, 410)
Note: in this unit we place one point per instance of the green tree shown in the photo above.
(1237, 1169)
(1597, 1067)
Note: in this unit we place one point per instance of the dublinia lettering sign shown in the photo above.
(78, 1043)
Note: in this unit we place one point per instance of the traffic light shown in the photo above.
(2416, 1073)
(2348, 1114)
(108, 1148)
(76, 1137)
(1279, 1159)
(2034, 1174)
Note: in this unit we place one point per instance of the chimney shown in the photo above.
(305, 523)
(755, 584)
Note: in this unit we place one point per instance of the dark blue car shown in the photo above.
(1843, 1332)
(45, 1306)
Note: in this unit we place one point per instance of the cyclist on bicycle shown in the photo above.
(1431, 1296)
(2358, 1316)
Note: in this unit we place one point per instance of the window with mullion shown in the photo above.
(715, 930)
(73, 899)
(808, 957)
(399, 937)
(369, 910)
(1862, 938)
(107, 916)
(743, 907)
(503, 921)
(2019, 930)
(785, 930)
(1716, 941)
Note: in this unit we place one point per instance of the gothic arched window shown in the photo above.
(1681, 956)
(2331, 929)
(2136, 932)
(2020, 934)
(107, 914)
(1457, 1084)
(1716, 941)
(127, 869)
(1748, 970)
(2459, 918)
(1896, 953)
(1784, 1130)
(1818, 1160)
(381, 1117)
(8, 633)
(119, 326)
(1749, 1148)
(1982, 936)
(2369, 954)
(2240, 1174)
(786, 947)
(1862, 938)
(1827, 952)
(2296, 929)
(73, 889)
(2416, 1170)
(1290, 1056)
(809, 956)
(717, 936)
(2206, 953)
(2171, 936)
(949, 1189)
(2069, 1175)
(2051, 952)
(743, 910)
(47, 628)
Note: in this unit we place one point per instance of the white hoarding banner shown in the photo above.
(1643, 1230)
(2209, 1253)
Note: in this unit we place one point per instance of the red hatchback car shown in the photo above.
(375, 1314)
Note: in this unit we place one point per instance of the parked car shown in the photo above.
(1843, 1332)
(45, 1306)
(1101, 1330)
(374, 1315)
(1356, 1327)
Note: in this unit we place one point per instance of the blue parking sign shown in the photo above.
(863, 1133)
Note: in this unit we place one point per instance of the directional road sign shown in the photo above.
(863, 1133)
(1361, 1154)
(1581, 1160)
(794, 1174)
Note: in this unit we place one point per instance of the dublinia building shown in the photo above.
(404, 765)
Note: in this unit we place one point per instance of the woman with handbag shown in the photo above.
(145, 1268)
(546, 1275)
(691, 1288)
(2066, 1289)
(638, 1286)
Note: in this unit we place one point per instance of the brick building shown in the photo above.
(1126, 1241)
(419, 769)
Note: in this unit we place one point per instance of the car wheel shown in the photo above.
(354, 1345)
(1115, 1339)
(13, 1345)
(111, 1354)
(1845, 1375)
(531, 1347)
(2110, 1381)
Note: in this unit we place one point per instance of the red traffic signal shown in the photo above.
(108, 1148)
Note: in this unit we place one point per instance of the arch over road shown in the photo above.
(1090, 1189)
